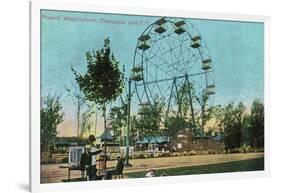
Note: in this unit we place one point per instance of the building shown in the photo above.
(152, 144)
(185, 141)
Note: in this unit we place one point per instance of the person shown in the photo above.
(88, 159)
(119, 167)
(117, 171)
(150, 173)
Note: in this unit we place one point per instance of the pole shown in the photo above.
(128, 123)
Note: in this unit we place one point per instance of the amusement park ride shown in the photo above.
(171, 55)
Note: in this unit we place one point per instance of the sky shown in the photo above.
(236, 48)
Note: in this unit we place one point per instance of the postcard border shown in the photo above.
(34, 99)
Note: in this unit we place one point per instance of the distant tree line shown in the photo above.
(240, 127)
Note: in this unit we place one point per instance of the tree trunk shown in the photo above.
(104, 116)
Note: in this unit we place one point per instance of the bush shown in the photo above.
(141, 156)
(210, 151)
(146, 156)
(260, 149)
(62, 151)
(205, 152)
(160, 154)
(193, 152)
(65, 160)
(166, 154)
(235, 150)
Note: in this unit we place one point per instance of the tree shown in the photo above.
(85, 119)
(118, 117)
(257, 123)
(217, 113)
(205, 113)
(182, 99)
(232, 123)
(247, 133)
(79, 100)
(103, 82)
(186, 96)
(134, 132)
(149, 122)
(50, 116)
(174, 125)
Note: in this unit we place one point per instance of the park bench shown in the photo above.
(100, 171)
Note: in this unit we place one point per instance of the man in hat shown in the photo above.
(119, 167)
(117, 171)
(88, 159)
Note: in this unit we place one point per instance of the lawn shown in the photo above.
(235, 166)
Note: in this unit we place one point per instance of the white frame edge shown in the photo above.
(36, 6)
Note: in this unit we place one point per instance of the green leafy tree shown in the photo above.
(103, 82)
(232, 123)
(134, 132)
(205, 113)
(247, 133)
(148, 123)
(50, 116)
(183, 97)
(174, 125)
(257, 124)
(118, 117)
(183, 100)
(217, 113)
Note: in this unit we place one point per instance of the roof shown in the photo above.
(219, 137)
(155, 139)
(106, 135)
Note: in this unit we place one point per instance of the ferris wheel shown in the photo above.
(172, 65)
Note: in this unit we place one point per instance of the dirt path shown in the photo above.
(52, 173)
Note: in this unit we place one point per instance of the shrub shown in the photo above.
(210, 151)
(65, 160)
(141, 156)
(177, 154)
(166, 154)
(193, 152)
(146, 156)
(205, 152)
(235, 150)
(160, 154)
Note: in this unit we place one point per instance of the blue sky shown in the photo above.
(237, 50)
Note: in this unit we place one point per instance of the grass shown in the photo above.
(235, 166)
